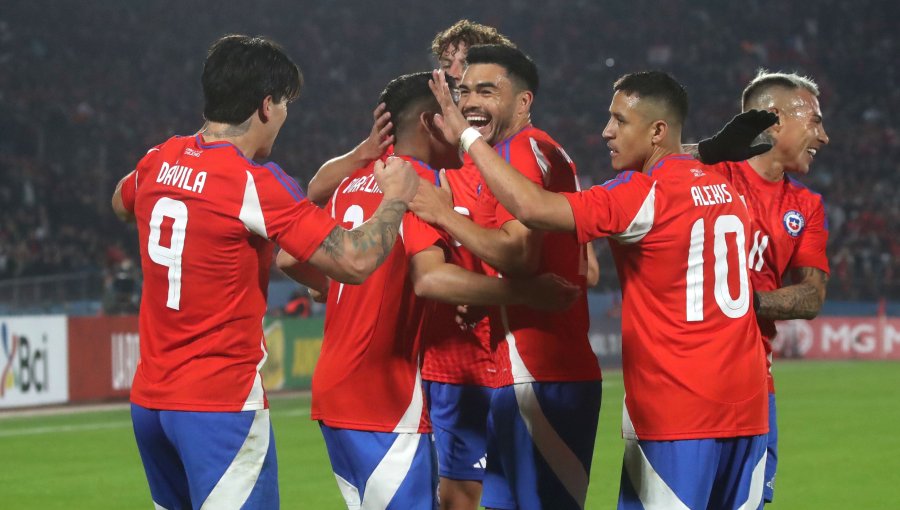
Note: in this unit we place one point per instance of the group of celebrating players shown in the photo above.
(453, 248)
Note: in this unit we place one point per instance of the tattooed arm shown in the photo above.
(350, 256)
(801, 300)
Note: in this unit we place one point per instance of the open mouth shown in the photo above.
(478, 120)
(812, 152)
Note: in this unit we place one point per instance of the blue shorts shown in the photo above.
(459, 415)
(383, 470)
(214, 460)
(540, 445)
(693, 473)
(771, 453)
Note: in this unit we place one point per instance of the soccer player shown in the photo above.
(695, 415)
(790, 230)
(543, 417)
(367, 391)
(458, 364)
(449, 48)
(207, 214)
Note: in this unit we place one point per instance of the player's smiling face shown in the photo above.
(628, 133)
(800, 132)
(489, 101)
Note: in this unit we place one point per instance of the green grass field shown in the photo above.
(839, 423)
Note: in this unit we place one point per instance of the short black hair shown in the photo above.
(240, 71)
(405, 92)
(518, 65)
(657, 85)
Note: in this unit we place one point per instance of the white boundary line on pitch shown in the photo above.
(56, 429)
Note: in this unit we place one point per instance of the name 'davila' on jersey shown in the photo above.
(179, 176)
(710, 195)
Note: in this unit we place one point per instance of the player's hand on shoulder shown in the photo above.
(397, 179)
(551, 292)
(733, 142)
(432, 202)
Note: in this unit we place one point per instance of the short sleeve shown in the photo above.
(132, 180)
(525, 156)
(274, 207)
(810, 251)
(129, 190)
(419, 235)
(623, 207)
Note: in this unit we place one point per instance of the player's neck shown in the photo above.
(520, 124)
(413, 149)
(766, 167)
(658, 153)
(240, 135)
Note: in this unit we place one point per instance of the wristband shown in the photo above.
(467, 138)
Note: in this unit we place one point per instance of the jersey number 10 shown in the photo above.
(731, 307)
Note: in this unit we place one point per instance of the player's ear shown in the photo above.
(426, 120)
(265, 110)
(523, 102)
(659, 130)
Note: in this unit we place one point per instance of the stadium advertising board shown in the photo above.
(103, 355)
(865, 338)
(293, 346)
(33, 361)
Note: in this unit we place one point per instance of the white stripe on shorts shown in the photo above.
(235, 486)
(757, 479)
(652, 490)
(384, 482)
(562, 460)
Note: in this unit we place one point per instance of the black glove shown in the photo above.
(732, 143)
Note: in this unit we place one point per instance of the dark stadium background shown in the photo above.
(88, 86)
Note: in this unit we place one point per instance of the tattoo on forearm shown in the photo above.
(333, 245)
(375, 236)
(802, 300)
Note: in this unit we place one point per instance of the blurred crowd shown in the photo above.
(88, 87)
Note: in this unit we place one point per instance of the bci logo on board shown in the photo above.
(24, 362)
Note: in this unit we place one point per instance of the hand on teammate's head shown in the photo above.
(733, 142)
(451, 121)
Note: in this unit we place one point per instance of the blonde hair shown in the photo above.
(765, 81)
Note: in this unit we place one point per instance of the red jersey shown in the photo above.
(536, 345)
(692, 357)
(367, 376)
(205, 217)
(452, 355)
(790, 230)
